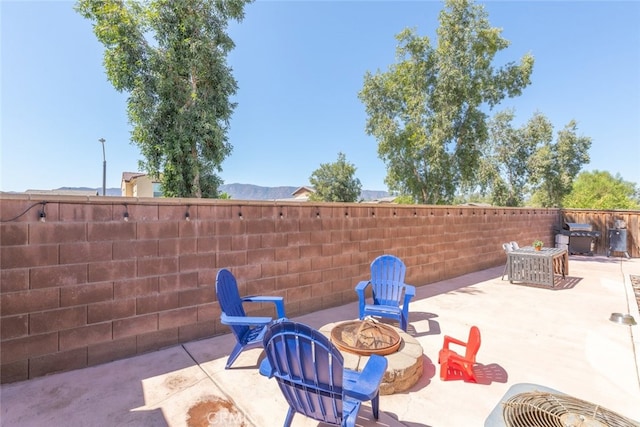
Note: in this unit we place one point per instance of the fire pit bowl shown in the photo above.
(365, 337)
(404, 354)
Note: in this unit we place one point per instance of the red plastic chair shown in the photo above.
(455, 366)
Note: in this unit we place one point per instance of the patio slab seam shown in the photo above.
(245, 413)
(634, 311)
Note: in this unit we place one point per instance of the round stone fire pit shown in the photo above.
(365, 338)
(403, 354)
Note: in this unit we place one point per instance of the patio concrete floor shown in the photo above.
(560, 339)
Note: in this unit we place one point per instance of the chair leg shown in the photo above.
(504, 272)
(234, 355)
(468, 373)
(444, 367)
(375, 405)
(289, 419)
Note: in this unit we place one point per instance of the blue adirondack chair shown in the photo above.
(248, 331)
(310, 372)
(388, 291)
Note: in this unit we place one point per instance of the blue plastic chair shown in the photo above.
(248, 331)
(310, 372)
(388, 291)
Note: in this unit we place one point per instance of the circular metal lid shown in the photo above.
(365, 337)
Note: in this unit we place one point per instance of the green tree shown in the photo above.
(553, 167)
(518, 162)
(600, 190)
(427, 113)
(505, 164)
(170, 56)
(335, 182)
(404, 200)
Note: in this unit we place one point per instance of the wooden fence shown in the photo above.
(602, 221)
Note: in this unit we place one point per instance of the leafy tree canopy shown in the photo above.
(553, 167)
(404, 200)
(170, 56)
(520, 161)
(504, 167)
(601, 190)
(427, 113)
(336, 182)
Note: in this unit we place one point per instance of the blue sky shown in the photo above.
(299, 67)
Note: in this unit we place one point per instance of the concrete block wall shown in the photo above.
(107, 278)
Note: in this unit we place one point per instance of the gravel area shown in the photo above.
(635, 283)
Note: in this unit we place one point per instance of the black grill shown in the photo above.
(618, 238)
(580, 237)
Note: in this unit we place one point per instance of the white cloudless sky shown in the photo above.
(299, 67)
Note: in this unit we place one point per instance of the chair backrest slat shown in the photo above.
(387, 280)
(473, 344)
(230, 301)
(308, 369)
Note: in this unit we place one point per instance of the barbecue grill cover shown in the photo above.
(618, 240)
(575, 226)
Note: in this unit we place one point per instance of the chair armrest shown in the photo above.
(365, 385)
(409, 292)
(360, 287)
(265, 368)
(362, 297)
(450, 340)
(244, 320)
(278, 301)
(455, 357)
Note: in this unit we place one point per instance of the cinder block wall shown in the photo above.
(107, 278)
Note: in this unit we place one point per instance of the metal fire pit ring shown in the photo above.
(365, 337)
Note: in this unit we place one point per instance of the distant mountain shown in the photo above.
(373, 194)
(256, 192)
(97, 191)
(236, 191)
(70, 191)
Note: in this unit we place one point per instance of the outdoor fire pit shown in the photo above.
(365, 337)
(359, 339)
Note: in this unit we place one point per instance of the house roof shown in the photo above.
(303, 190)
(128, 176)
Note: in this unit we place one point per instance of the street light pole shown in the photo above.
(104, 169)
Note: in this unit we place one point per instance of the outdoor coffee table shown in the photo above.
(538, 267)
